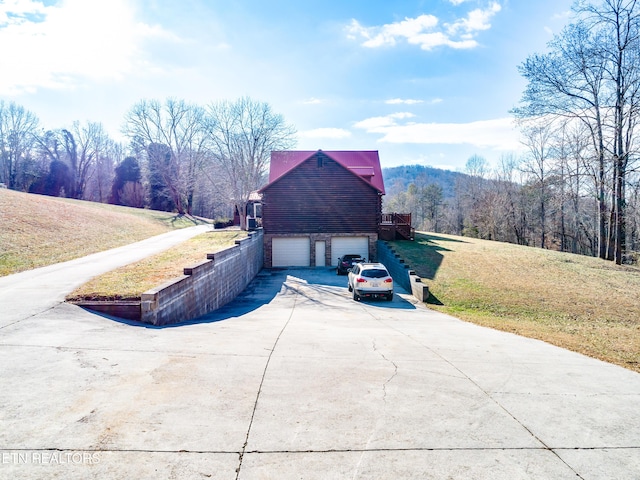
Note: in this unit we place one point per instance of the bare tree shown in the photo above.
(18, 128)
(109, 154)
(537, 166)
(85, 144)
(432, 198)
(618, 22)
(592, 75)
(132, 194)
(634, 212)
(471, 191)
(574, 185)
(80, 148)
(181, 128)
(515, 224)
(569, 82)
(242, 135)
(58, 180)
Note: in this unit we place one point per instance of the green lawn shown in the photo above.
(37, 230)
(580, 303)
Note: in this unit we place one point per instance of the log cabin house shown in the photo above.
(320, 205)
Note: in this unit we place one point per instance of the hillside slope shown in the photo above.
(580, 303)
(37, 230)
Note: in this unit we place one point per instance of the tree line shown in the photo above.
(182, 157)
(576, 188)
(579, 113)
(551, 205)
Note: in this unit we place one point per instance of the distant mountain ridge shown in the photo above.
(397, 179)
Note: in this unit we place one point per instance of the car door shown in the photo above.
(355, 270)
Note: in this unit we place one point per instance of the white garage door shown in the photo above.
(290, 252)
(342, 245)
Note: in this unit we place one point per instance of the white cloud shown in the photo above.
(60, 46)
(499, 134)
(405, 101)
(376, 124)
(387, 34)
(477, 20)
(14, 12)
(312, 101)
(424, 30)
(335, 133)
(411, 101)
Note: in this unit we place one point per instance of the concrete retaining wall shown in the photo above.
(401, 272)
(206, 286)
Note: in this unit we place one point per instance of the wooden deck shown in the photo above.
(396, 226)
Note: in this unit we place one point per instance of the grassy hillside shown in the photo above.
(37, 230)
(130, 281)
(580, 303)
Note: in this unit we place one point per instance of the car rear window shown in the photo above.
(374, 273)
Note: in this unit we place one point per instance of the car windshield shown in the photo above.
(374, 273)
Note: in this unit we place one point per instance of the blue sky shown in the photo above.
(423, 82)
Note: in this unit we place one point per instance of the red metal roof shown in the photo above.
(365, 164)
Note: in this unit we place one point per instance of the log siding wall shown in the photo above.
(320, 196)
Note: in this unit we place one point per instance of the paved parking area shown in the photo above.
(296, 380)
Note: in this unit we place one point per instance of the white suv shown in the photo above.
(370, 280)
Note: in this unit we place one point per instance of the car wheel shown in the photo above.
(390, 297)
(350, 288)
(356, 297)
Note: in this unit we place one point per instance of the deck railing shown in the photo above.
(401, 222)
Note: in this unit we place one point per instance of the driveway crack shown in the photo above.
(490, 397)
(395, 371)
(264, 374)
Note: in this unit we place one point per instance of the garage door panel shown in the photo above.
(290, 252)
(343, 245)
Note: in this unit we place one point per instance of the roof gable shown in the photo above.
(363, 164)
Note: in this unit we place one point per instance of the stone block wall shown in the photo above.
(401, 272)
(206, 286)
(396, 266)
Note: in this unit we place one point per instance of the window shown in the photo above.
(375, 273)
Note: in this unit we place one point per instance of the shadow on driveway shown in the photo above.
(268, 283)
(325, 282)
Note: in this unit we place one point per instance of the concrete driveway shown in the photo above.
(295, 380)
